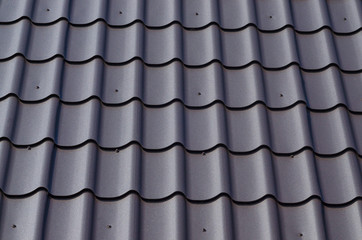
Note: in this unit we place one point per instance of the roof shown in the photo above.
(180, 119)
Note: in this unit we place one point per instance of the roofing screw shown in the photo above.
(270, 16)
(345, 19)
(120, 12)
(281, 95)
(204, 230)
(300, 234)
(13, 226)
(292, 156)
(109, 226)
(199, 93)
(29, 148)
(203, 153)
(117, 150)
(48, 9)
(116, 90)
(37, 87)
(197, 14)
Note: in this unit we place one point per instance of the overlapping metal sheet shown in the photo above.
(268, 15)
(84, 217)
(193, 48)
(156, 175)
(284, 131)
(194, 87)
(181, 119)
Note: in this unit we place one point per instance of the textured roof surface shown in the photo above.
(186, 119)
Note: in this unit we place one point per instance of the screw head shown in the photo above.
(109, 226)
(48, 9)
(196, 13)
(13, 226)
(29, 148)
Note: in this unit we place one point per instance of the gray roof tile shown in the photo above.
(84, 217)
(160, 46)
(195, 87)
(341, 16)
(180, 119)
(284, 131)
(199, 176)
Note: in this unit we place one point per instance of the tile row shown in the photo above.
(195, 87)
(310, 15)
(284, 131)
(194, 48)
(85, 217)
(198, 176)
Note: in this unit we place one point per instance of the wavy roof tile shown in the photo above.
(194, 48)
(164, 119)
(267, 15)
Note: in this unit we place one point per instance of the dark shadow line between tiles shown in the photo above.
(180, 61)
(177, 100)
(178, 193)
(175, 22)
(205, 151)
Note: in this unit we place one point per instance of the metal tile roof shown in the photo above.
(184, 119)
(268, 15)
(193, 48)
(84, 217)
(194, 87)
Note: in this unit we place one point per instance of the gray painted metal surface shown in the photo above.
(341, 16)
(200, 176)
(193, 48)
(196, 129)
(195, 87)
(180, 119)
(84, 217)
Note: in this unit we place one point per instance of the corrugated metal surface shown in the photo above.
(181, 119)
(269, 15)
(84, 217)
(200, 176)
(193, 48)
(195, 87)
(284, 131)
